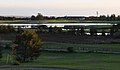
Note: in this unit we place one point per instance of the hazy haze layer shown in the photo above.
(59, 7)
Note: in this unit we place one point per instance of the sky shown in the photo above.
(59, 7)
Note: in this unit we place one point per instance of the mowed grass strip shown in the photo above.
(84, 61)
(87, 61)
(53, 45)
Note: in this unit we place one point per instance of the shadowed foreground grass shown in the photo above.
(77, 46)
(84, 61)
(89, 61)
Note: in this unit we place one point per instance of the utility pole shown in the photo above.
(97, 13)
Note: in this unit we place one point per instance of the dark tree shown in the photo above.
(28, 46)
(82, 31)
(57, 29)
(108, 18)
(114, 29)
(70, 49)
(103, 32)
(50, 30)
(113, 17)
(93, 31)
(6, 29)
(78, 31)
(33, 17)
(42, 28)
(118, 18)
(39, 17)
(0, 51)
(102, 17)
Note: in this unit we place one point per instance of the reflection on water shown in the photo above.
(75, 24)
(98, 33)
(59, 24)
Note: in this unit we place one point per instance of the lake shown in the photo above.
(59, 24)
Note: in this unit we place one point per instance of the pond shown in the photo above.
(77, 24)
(58, 24)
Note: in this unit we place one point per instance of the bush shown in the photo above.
(91, 51)
(0, 55)
(6, 29)
(27, 46)
(0, 51)
(70, 49)
(7, 47)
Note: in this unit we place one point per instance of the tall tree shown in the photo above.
(103, 32)
(57, 29)
(113, 17)
(6, 29)
(33, 17)
(0, 51)
(82, 31)
(50, 29)
(28, 45)
(102, 17)
(93, 31)
(114, 29)
(39, 16)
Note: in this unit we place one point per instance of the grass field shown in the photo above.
(77, 46)
(57, 21)
(84, 61)
(83, 21)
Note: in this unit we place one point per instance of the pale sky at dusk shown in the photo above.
(59, 7)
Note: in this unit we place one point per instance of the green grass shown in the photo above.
(63, 20)
(84, 61)
(76, 46)
(10, 21)
(57, 21)
(87, 61)
(84, 21)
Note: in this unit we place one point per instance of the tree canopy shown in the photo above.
(28, 45)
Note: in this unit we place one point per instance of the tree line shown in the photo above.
(39, 16)
(112, 17)
(77, 30)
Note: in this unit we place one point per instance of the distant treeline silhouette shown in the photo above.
(39, 16)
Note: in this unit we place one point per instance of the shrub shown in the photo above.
(27, 46)
(7, 47)
(0, 51)
(70, 49)
(0, 55)
(6, 29)
(91, 51)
